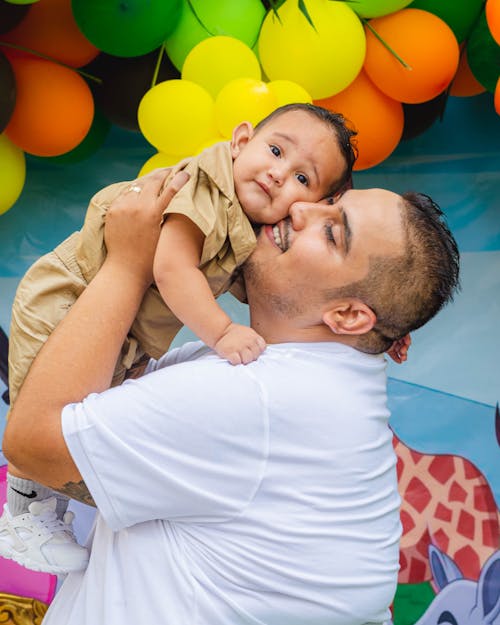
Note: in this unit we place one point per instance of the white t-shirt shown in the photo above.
(258, 494)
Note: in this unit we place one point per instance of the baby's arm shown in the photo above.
(187, 293)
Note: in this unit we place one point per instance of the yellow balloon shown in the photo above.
(218, 60)
(241, 100)
(175, 116)
(12, 173)
(288, 92)
(325, 59)
(160, 159)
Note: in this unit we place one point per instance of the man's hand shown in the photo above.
(398, 351)
(133, 222)
(240, 344)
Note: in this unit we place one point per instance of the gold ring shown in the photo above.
(135, 188)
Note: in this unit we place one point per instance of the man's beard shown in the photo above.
(286, 304)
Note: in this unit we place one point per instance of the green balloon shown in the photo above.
(377, 8)
(483, 54)
(241, 20)
(126, 27)
(459, 15)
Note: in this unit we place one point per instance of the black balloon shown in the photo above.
(11, 15)
(7, 91)
(420, 117)
(124, 82)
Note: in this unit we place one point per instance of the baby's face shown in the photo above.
(294, 157)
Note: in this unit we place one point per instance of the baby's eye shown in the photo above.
(275, 150)
(302, 179)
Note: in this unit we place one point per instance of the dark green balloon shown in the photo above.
(483, 54)
(126, 27)
(7, 91)
(124, 81)
(420, 117)
(11, 15)
(460, 15)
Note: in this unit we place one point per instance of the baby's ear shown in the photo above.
(241, 136)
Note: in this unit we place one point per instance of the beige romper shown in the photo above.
(55, 281)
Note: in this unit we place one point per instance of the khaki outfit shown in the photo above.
(57, 279)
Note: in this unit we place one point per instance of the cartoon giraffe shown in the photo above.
(444, 497)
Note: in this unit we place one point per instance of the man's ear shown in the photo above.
(241, 136)
(349, 316)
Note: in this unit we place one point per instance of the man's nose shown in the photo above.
(302, 213)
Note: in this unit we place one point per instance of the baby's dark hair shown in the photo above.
(337, 123)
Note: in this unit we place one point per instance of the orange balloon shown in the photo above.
(378, 119)
(465, 84)
(54, 107)
(424, 42)
(50, 28)
(493, 18)
(496, 99)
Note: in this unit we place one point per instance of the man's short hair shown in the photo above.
(406, 291)
(336, 122)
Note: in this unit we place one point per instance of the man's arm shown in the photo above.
(80, 356)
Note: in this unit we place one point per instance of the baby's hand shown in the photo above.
(240, 344)
(398, 351)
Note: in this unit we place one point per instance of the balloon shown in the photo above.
(7, 91)
(50, 28)
(11, 15)
(377, 118)
(324, 59)
(175, 116)
(493, 18)
(433, 65)
(12, 173)
(288, 92)
(124, 81)
(91, 143)
(54, 107)
(497, 97)
(377, 8)
(465, 84)
(241, 20)
(483, 53)
(241, 100)
(160, 159)
(460, 16)
(420, 117)
(126, 28)
(217, 60)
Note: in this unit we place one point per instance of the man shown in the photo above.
(261, 494)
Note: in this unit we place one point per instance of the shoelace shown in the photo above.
(51, 524)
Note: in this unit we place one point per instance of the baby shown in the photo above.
(300, 152)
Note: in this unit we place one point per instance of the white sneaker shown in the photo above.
(38, 540)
